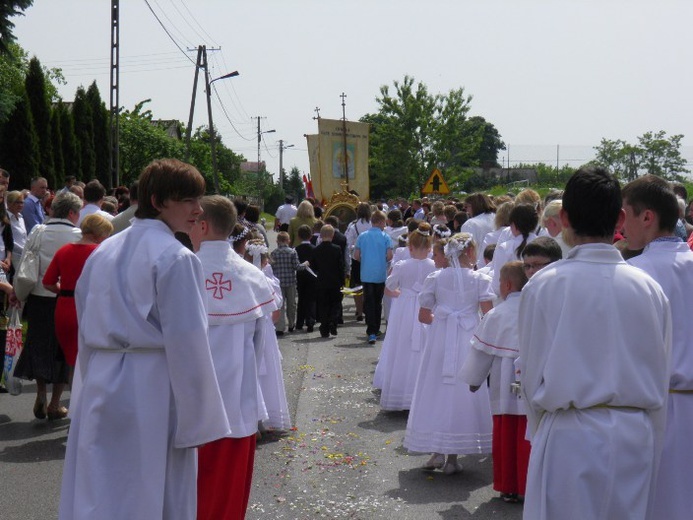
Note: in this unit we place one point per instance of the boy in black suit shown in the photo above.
(305, 282)
(328, 263)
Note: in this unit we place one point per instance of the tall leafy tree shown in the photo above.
(35, 84)
(487, 142)
(68, 142)
(415, 131)
(661, 155)
(141, 142)
(654, 153)
(99, 115)
(83, 122)
(8, 9)
(19, 153)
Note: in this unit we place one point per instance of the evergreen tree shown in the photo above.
(294, 185)
(83, 122)
(8, 9)
(57, 142)
(19, 152)
(35, 84)
(68, 142)
(99, 115)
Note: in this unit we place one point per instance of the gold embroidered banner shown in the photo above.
(326, 151)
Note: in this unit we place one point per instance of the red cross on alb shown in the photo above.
(218, 285)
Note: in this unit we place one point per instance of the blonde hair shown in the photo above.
(305, 210)
(551, 210)
(502, 218)
(220, 213)
(14, 196)
(421, 238)
(283, 237)
(96, 226)
(515, 272)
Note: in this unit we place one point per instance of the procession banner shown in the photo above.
(330, 172)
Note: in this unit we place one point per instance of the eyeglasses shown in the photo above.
(536, 265)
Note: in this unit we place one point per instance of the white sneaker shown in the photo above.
(435, 462)
(451, 468)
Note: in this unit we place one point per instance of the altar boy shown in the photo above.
(238, 296)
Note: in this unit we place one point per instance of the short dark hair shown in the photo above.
(252, 213)
(241, 206)
(333, 221)
(480, 203)
(167, 179)
(219, 213)
(304, 232)
(656, 194)
(543, 246)
(679, 189)
(94, 191)
(592, 202)
(489, 250)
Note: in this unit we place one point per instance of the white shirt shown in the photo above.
(19, 236)
(90, 209)
(285, 213)
(479, 226)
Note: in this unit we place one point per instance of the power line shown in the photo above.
(198, 24)
(181, 35)
(168, 33)
(223, 109)
(185, 19)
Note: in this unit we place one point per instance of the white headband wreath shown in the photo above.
(240, 236)
(256, 251)
(440, 232)
(455, 246)
(423, 233)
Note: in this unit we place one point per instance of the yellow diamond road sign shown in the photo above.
(435, 184)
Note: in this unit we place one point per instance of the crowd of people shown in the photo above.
(550, 333)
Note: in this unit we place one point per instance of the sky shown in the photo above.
(553, 76)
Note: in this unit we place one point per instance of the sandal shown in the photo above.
(58, 413)
(435, 462)
(39, 408)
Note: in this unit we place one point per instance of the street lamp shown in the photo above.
(259, 138)
(211, 123)
(282, 147)
(202, 64)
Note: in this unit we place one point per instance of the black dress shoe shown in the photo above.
(280, 333)
(333, 331)
(324, 334)
(291, 329)
(309, 328)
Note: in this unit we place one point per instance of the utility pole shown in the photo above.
(281, 162)
(113, 119)
(212, 138)
(202, 63)
(259, 139)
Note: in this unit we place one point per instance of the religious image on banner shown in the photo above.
(338, 159)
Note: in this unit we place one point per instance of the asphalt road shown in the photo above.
(343, 459)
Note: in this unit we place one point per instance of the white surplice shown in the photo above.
(239, 297)
(671, 265)
(149, 393)
(595, 343)
(495, 346)
(506, 252)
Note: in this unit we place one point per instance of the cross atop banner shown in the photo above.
(435, 184)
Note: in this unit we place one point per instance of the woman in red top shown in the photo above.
(61, 278)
